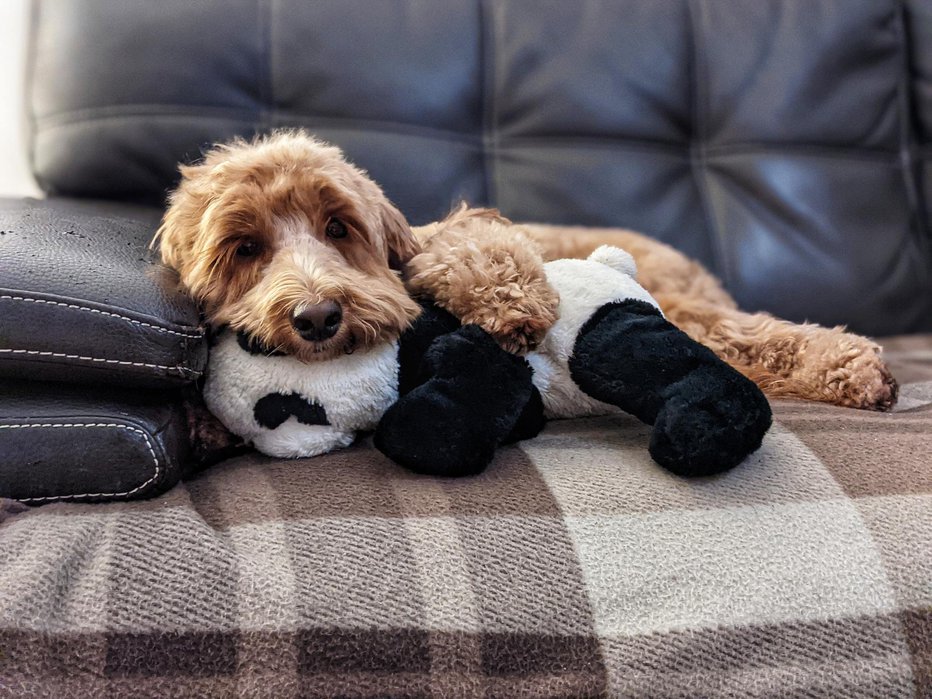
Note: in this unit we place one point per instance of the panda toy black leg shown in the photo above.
(706, 416)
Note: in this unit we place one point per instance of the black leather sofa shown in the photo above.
(787, 144)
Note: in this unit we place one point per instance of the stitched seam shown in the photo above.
(909, 156)
(489, 138)
(263, 27)
(66, 425)
(481, 11)
(408, 129)
(494, 82)
(698, 155)
(29, 299)
(38, 353)
(467, 139)
(802, 150)
(676, 149)
(110, 111)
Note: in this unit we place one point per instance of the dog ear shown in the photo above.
(402, 245)
(186, 204)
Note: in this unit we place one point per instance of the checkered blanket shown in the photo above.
(574, 567)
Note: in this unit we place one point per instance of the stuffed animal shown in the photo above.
(445, 396)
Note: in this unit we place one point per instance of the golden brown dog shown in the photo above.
(785, 359)
(283, 238)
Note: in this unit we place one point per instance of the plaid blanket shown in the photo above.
(574, 567)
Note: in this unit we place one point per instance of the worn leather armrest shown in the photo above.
(63, 442)
(82, 299)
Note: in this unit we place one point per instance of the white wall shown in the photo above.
(15, 178)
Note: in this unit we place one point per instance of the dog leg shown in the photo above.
(485, 272)
(789, 360)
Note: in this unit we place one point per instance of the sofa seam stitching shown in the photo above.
(266, 111)
(41, 353)
(909, 155)
(489, 86)
(698, 163)
(194, 334)
(108, 425)
(467, 140)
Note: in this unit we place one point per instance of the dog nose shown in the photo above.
(318, 322)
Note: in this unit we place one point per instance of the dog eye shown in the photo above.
(248, 248)
(335, 229)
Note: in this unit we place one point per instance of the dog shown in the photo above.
(284, 239)
(281, 239)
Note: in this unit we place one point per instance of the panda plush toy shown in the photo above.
(444, 396)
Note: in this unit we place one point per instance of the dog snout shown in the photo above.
(318, 322)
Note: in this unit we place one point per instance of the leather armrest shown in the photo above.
(62, 442)
(82, 299)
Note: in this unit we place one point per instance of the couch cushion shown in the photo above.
(775, 140)
(62, 442)
(573, 567)
(82, 300)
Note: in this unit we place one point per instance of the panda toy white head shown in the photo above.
(291, 409)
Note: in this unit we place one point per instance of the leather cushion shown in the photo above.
(60, 443)
(81, 298)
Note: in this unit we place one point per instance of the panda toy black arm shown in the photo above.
(461, 397)
(706, 416)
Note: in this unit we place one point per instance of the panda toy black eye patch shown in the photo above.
(273, 409)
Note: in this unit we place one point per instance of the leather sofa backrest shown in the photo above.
(785, 143)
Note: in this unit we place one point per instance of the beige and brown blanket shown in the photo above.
(574, 567)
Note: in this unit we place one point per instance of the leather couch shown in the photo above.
(785, 143)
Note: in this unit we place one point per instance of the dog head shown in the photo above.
(285, 240)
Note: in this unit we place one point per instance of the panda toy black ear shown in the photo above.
(707, 417)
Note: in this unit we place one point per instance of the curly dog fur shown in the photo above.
(487, 272)
(261, 231)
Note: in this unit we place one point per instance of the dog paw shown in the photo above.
(489, 274)
(864, 381)
(849, 371)
(517, 325)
